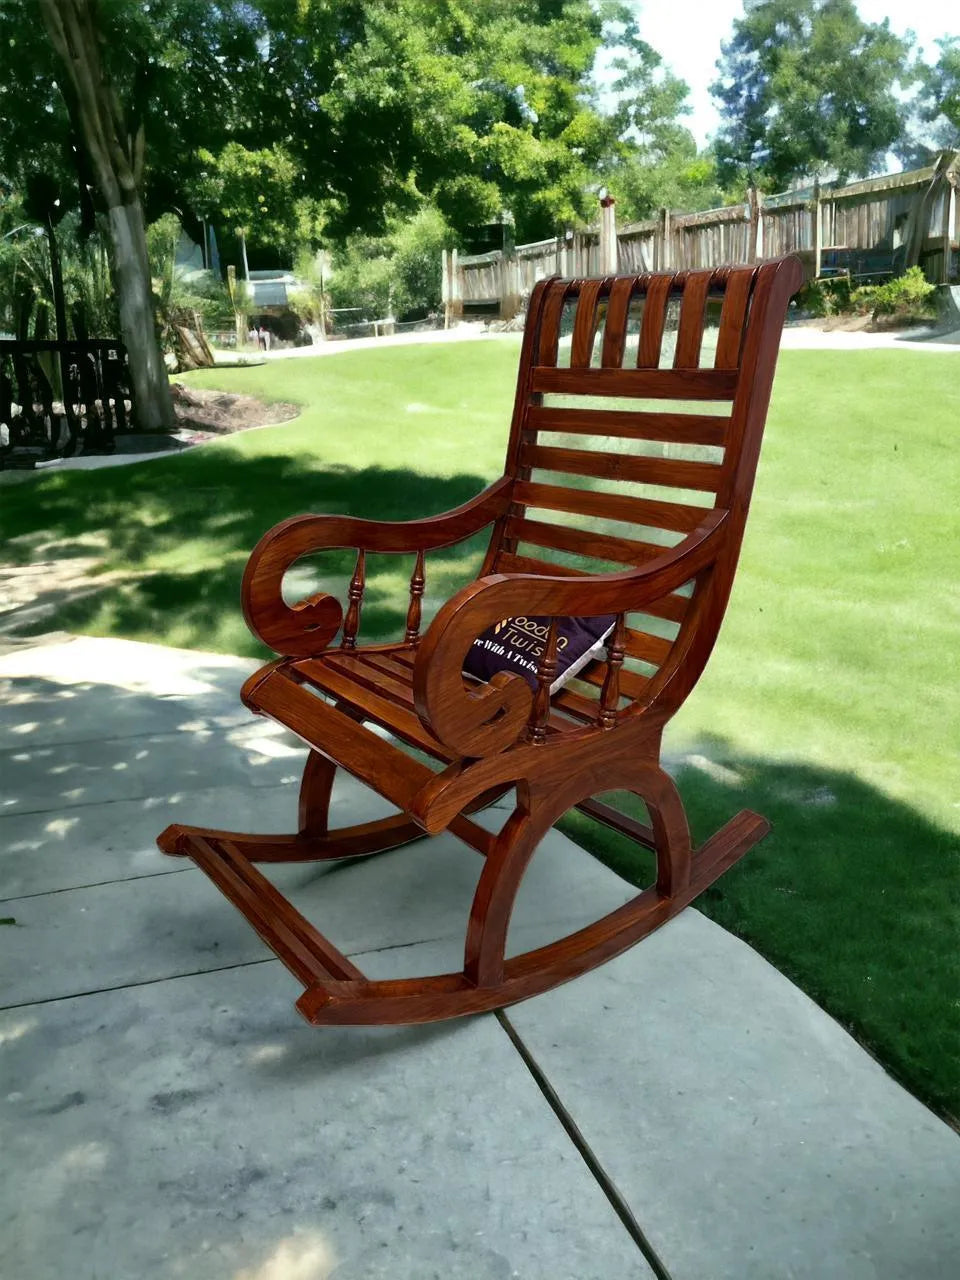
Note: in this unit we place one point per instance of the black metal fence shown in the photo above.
(60, 398)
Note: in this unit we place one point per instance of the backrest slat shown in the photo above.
(585, 325)
(654, 319)
(640, 469)
(615, 329)
(582, 542)
(674, 428)
(675, 516)
(736, 296)
(692, 316)
(676, 384)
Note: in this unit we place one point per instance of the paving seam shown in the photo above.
(572, 1130)
(193, 973)
(186, 791)
(117, 737)
(96, 884)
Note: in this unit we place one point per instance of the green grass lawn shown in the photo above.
(832, 701)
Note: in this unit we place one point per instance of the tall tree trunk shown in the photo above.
(116, 159)
(131, 270)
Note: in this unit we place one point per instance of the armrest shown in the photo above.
(303, 629)
(485, 721)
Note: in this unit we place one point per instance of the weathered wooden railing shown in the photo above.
(60, 397)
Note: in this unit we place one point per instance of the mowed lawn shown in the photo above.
(831, 703)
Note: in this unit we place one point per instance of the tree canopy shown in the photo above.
(806, 87)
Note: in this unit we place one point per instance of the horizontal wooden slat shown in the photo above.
(632, 684)
(509, 562)
(646, 647)
(370, 677)
(575, 704)
(672, 608)
(674, 428)
(364, 760)
(671, 384)
(677, 517)
(582, 542)
(673, 473)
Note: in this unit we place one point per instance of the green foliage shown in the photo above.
(182, 293)
(908, 297)
(806, 87)
(396, 274)
(826, 297)
(940, 94)
(253, 192)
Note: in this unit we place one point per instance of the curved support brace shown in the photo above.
(302, 630)
(536, 812)
(486, 721)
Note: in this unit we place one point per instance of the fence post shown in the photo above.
(817, 229)
(661, 243)
(609, 248)
(755, 205)
(949, 217)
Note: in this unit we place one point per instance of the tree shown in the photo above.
(116, 159)
(941, 91)
(807, 87)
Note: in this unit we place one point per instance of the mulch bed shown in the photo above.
(219, 413)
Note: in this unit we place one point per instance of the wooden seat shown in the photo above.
(625, 492)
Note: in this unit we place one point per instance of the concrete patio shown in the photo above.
(684, 1111)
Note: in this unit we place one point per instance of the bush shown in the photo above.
(398, 273)
(829, 296)
(909, 297)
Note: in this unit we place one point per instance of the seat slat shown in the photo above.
(675, 516)
(386, 768)
(732, 316)
(673, 428)
(692, 316)
(355, 689)
(644, 384)
(372, 677)
(673, 473)
(581, 542)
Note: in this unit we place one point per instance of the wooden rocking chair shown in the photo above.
(677, 484)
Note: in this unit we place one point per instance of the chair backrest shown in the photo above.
(628, 429)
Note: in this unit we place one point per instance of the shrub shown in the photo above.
(907, 297)
(398, 272)
(828, 296)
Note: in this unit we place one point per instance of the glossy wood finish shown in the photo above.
(642, 519)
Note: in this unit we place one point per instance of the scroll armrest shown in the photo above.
(303, 629)
(485, 721)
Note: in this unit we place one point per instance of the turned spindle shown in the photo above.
(351, 622)
(610, 694)
(417, 583)
(546, 674)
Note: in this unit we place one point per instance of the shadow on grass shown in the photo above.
(180, 535)
(854, 896)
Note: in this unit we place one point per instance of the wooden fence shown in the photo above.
(874, 228)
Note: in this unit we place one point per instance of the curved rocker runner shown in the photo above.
(677, 487)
